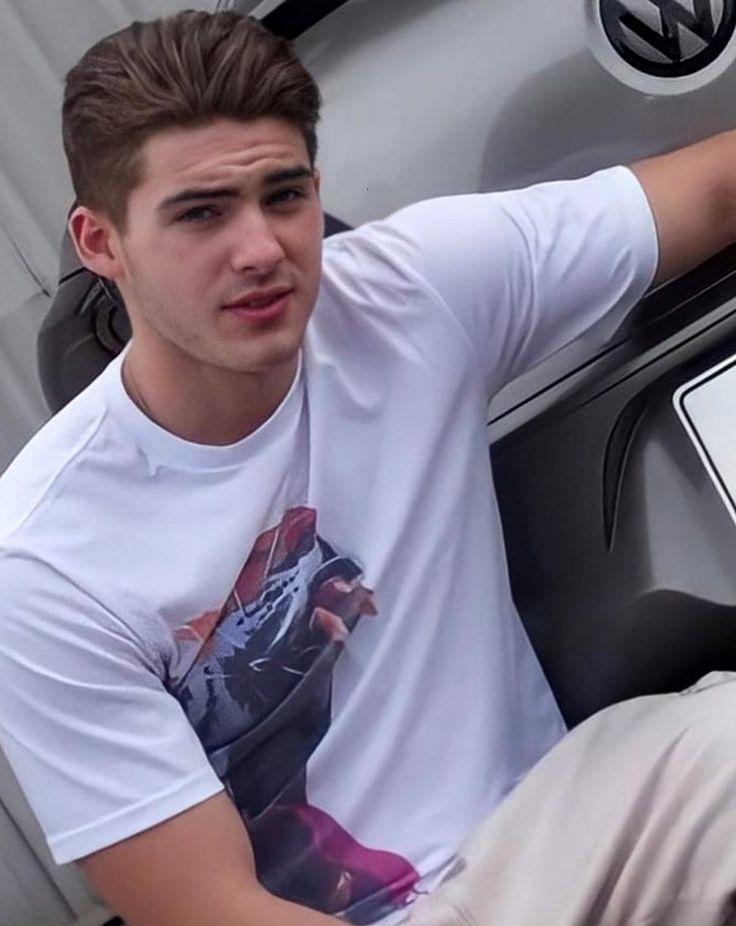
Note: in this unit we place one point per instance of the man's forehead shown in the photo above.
(220, 151)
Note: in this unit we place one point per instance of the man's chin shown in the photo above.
(276, 359)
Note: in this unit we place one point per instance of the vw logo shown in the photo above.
(668, 38)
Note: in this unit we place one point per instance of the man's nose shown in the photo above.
(256, 246)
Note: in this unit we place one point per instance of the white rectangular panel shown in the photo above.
(707, 408)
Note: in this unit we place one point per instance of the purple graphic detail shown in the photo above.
(255, 680)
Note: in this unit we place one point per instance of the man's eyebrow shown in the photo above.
(290, 173)
(195, 194)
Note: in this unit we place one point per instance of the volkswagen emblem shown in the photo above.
(668, 38)
(680, 41)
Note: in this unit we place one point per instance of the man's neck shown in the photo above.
(207, 405)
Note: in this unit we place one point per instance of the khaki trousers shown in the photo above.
(630, 820)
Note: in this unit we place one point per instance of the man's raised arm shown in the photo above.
(692, 192)
(193, 869)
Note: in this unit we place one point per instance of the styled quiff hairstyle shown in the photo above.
(182, 70)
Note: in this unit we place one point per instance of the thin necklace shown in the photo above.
(133, 391)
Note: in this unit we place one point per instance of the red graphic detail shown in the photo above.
(272, 547)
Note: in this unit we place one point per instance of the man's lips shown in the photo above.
(262, 305)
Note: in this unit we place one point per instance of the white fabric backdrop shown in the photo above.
(39, 41)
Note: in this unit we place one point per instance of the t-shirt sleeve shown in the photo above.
(527, 271)
(100, 748)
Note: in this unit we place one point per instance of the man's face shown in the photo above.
(219, 263)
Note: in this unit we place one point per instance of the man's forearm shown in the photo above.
(692, 192)
(249, 907)
(194, 869)
(266, 910)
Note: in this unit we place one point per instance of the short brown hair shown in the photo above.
(186, 69)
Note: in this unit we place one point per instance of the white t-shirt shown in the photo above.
(319, 615)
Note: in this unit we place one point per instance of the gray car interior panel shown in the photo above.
(620, 547)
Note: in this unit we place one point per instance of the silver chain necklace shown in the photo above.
(134, 392)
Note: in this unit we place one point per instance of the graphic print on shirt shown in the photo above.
(255, 680)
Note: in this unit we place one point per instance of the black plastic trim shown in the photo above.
(293, 17)
(614, 461)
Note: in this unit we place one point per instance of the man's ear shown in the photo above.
(96, 242)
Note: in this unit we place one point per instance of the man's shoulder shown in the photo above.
(364, 264)
(53, 457)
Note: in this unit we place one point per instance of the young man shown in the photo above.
(259, 660)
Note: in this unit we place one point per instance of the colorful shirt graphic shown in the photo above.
(255, 680)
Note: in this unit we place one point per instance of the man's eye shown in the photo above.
(288, 195)
(197, 214)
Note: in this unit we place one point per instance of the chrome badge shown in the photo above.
(663, 46)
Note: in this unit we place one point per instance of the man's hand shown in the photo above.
(195, 869)
(692, 193)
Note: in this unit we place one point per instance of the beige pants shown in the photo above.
(630, 820)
